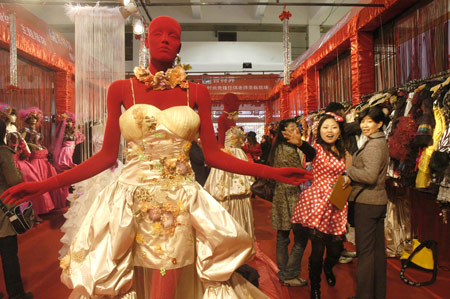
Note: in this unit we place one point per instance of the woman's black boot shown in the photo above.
(328, 270)
(315, 269)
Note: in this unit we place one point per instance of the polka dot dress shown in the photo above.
(313, 209)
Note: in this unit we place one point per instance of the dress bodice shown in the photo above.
(70, 137)
(234, 137)
(32, 136)
(158, 143)
(141, 120)
(13, 139)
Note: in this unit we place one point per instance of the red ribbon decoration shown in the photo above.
(13, 88)
(285, 15)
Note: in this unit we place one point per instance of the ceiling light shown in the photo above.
(128, 9)
(138, 26)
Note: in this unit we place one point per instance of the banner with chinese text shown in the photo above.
(246, 87)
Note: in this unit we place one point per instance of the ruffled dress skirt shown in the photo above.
(44, 171)
(43, 203)
(65, 159)
(81, 200)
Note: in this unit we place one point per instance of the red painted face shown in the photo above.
(164, 39)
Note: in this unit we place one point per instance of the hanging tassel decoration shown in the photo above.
(12, 53)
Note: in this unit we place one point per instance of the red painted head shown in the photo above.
(163, 39)
(230, 102)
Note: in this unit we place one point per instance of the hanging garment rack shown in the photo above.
(411, 84)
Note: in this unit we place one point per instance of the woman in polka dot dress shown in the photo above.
(326, 223)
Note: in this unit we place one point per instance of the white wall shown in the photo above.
(202, 50)
(229, 56)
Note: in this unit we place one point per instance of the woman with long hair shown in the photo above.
(266, 145)
(252, 148)
(284, 201)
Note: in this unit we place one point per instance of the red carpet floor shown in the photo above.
(38, 253)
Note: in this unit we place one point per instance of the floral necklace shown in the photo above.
(169, 79)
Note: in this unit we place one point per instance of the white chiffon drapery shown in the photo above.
(99, 60)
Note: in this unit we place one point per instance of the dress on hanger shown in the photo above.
(423, 174)
(155, 216)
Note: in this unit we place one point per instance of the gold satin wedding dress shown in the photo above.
(232, 190)
(156, 216)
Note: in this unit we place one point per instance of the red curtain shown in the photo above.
(336, 81)
(269, 114)
(362, 64)
(421, 40)
(36, 89)
(295, 101)
(312, 87)
(385, 57)
(276, 109)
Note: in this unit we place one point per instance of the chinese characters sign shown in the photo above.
(33, 33)
(246, 87)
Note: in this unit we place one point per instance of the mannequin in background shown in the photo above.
(13, 138)
(155, 207)
(232, 190)
(43, 203)
(64, 142)
(39, 154)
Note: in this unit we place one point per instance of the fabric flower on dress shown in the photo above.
(172, 78)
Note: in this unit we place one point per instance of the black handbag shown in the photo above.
(263, 188)
(426, 260)
(20, 219)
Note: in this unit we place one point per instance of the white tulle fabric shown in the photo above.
(81, 200)
(155, 216)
